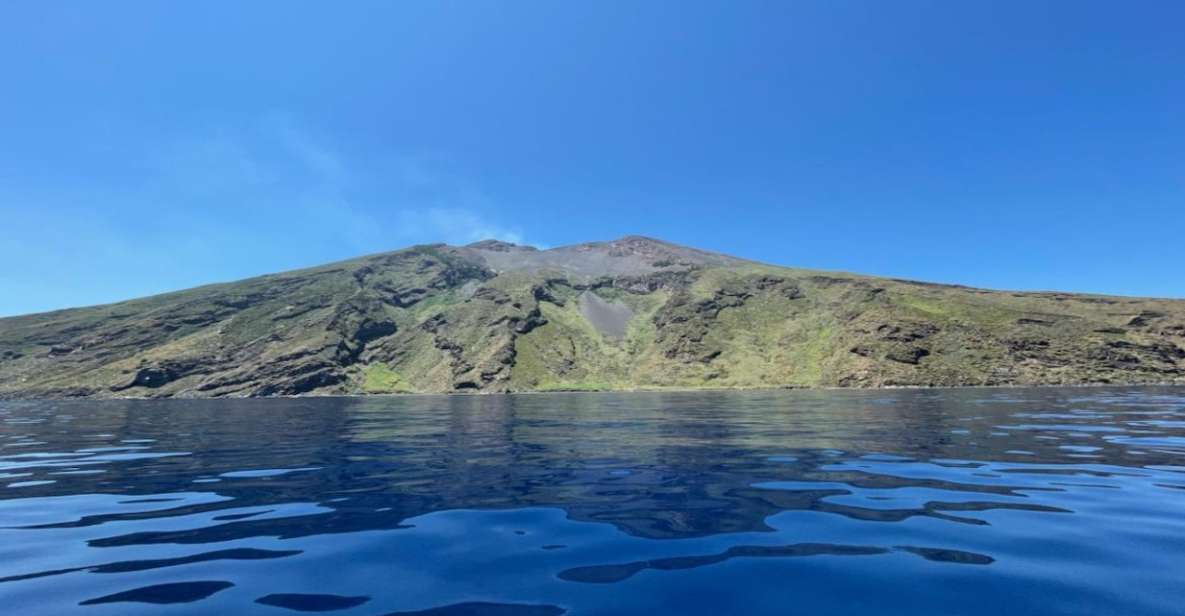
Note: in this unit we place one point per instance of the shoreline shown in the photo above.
(638, 390)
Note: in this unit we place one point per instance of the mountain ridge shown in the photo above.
(630, 313)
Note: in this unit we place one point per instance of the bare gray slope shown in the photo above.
(610, 318)
(629, 256)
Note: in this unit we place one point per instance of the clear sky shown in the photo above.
(152, 146)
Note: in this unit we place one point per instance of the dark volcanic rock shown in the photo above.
(907, 355)
(1144, 318)
(153, 376)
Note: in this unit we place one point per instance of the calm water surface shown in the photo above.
(976, 501)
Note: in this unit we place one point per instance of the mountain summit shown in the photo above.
(630, 313)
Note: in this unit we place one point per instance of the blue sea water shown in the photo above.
(963, 501)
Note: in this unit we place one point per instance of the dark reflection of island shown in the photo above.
(656, 465)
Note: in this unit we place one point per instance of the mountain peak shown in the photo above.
(494, 245)
(641, 239)
(631, 255)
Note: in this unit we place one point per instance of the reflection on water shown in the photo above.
(971, 501)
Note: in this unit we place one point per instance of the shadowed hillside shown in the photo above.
(631, 313)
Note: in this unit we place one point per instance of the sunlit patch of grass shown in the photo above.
(926, 306)
(381, 379)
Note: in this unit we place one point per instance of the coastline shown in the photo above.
(640, 390)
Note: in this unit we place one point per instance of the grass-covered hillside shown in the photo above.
(631, 313)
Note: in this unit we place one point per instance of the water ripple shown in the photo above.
(900, 502)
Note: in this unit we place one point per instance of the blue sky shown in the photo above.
(151, 146)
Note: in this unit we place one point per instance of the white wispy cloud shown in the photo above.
(463, 226)
(318, 158)
(281, 171)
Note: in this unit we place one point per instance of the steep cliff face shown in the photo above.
(631, 313)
